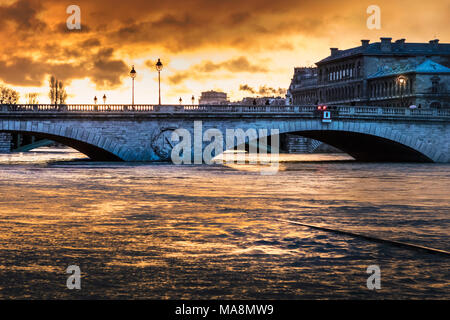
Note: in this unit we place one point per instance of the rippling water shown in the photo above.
(196, 232)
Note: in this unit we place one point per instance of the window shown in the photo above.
(435, 104)
(435, 85)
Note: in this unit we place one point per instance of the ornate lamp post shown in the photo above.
(159, 67)
(104, 99)
(180, 100)
(132, 75)
(401, 80)
(193, 99)
(95, 100)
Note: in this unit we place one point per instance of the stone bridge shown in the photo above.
(143, 132)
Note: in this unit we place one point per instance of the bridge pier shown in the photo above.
(297, 144)
(5, 142)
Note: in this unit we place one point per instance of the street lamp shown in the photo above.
(95, 99)
(401, 80)
(181, 100)
(132, 75)
(159, 67)
(193, 99)
(104, 99)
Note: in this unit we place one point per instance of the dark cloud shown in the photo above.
(23, 13)
(22, 71)
(102, 68)
(107, 71)
(263, 90)
(188, 25)
(246, 87)
(174, 32)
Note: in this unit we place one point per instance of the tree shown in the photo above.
(62, 93)
(8, 95)
(53, 90)
(32, 98)
(57, 92)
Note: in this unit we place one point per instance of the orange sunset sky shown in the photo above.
(203, 44)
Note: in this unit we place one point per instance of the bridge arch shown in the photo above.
(365, 141)
(91, 144)
(367, 147)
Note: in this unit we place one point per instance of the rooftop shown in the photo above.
(386, 47)
(428, 66)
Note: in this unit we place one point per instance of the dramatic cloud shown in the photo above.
(252, 38)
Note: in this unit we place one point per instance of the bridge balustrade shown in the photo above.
(394, 111)
(345, 110)
(307, 109)
(304, 110)
(366, 110)
(443, 112)
(423, 112)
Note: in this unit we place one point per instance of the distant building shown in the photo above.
(385, 73)
(273, 101)
(213, 97)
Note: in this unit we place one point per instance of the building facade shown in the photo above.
(303, 88)
(385, 73)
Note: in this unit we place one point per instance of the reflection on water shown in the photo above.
(41, 155)
(197, 231)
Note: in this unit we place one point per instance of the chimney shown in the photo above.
(385, 44)
(434, 43)
(365, 43)
(334, 51)
(400, 43)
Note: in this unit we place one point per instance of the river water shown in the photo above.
(162, 231)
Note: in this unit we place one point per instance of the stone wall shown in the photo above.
(137, 138)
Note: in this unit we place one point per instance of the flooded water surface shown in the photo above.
(162, 231)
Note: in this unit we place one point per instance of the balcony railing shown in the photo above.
(249, 109)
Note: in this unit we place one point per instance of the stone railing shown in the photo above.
(248, 109)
